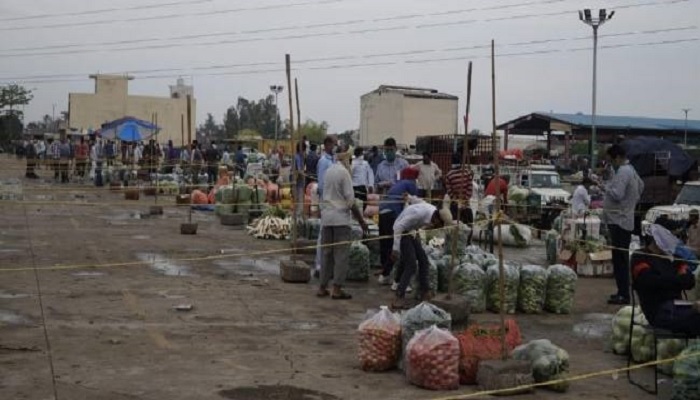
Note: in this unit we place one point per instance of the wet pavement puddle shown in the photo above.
(164, 265)
(594, 326)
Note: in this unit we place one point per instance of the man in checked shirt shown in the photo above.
(459, 183)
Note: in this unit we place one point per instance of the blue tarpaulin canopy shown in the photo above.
(128, 129)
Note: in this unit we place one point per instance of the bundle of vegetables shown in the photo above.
(358, 268)
(224, 195)
(532, 289)
(668, 349)
(443, 269)
(470, 281)
(561, 288)
(420, 317)
(432, 359)
(686, 374)
(483, 342)
(223, 209)
(511, 283)
(275, 211)
(241, 198)
(270, 228)
(517, 195)
(461, 236)
(642, 339)
(550, 241)
(380, 341)
(549, 362)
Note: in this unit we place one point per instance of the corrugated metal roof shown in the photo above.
(620, 122)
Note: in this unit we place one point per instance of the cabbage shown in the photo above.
(686, 373)
(470, 281)
(463, 232)
(642, 339)
(512, 281)
(549, 362)
(358, 268)
(532, 289)
(561, 288)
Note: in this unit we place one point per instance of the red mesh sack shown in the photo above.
(432, 359)
(483, 342)
(198, 197)
(380, 341)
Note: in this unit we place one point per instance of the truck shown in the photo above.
(545, 196)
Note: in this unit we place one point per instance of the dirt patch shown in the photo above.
(276, 392)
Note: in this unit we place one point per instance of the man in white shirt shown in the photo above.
(428, 174)
(362, 177)
(338, 208)
(581, 199)
(408, 250)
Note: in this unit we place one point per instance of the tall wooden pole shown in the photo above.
(182, 130)
(189, 119)
(465, 151)
(497, 208)
(300, 174)
(154, 154)
(288, 67)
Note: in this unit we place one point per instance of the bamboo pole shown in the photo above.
(497, 208)
(465, 151)
(288, 67)
(301, 145)
(153, 154)
(182, 130)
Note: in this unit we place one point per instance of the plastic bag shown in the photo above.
(470, 282)
(561, 288)
(483, 342)
(532, 289)
(358, 268)
(549, 362)
(420, 317)
(432, 359)
(666, 350)
(463, 232)
(511, 283)
(686, 374)
(380, 341)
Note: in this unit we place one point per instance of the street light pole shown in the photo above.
(685, 136)
(276, 89)
(595, 22)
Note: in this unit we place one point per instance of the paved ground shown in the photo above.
(114, 333)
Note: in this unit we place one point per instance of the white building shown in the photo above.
(405, 113)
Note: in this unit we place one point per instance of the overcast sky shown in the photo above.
(352, 46)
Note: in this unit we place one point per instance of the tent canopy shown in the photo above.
(642, 152)
(144, 129)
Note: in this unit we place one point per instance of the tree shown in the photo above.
(211, 129)
(10, 129)
(347, 137)
(315, 132)
(259, 116)
(14, 95)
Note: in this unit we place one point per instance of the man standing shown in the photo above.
(239, 158)
(693, 231)
(212, 156)
(338, 209)
(323, 165)
(97, 156)
(32, 157)
(362, 177)
(64, 151)
(54, 156)
(459, 184)
(498, 188)
(621, 195)
(388, 170)
(581, 200)
(300, 181)
(311, 164)
(81, 157)
(374, 159)
(428, 174)
(408, 250)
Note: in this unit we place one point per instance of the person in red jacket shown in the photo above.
(660, 280)
(496, 188)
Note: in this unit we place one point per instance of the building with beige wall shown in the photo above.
(405, 113)
(112, 101)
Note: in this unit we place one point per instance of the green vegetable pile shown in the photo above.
(275, 211)
(549, 362)
(667, 349)
(642, 340)
(512, 281)
(470, 282)
(686, 374)
(462, 235)
(561, 288)
(359, 262)
(532, 289)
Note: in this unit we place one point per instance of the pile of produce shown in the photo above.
(518, 195)
(511, 283)
(686, 374)
(380, 341)
(275, 211)
(432, 359)
(533, 286)
(641, 352)
(549, 362)
(420, 317)
(270, 228)
(561, 288)
(668, 349)
(470, 281)
(462, 237)
(483, 342)
(358, 268)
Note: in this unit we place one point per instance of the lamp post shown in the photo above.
(685, 135)
(276, 89)
(586, 16)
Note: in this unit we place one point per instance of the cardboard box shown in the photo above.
(597, 265)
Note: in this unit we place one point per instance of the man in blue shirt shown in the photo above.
(388, 169)
(389, 209)
(240, 161)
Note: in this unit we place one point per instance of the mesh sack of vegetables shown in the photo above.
(621, 330)
(462, 237)
(432, 359)
(686, 374)
(642, 339)
(561, 288)
(532, 289)
(470, 281)
(511, 283)
(549, 362)
(355, 232)
(432, 279)
(380, 341)
(443, 270)
(358, 268)
(483, 342)
(668, 349)
(420, 317)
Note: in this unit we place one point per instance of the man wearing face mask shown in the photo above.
(388, 170)
(324, 163)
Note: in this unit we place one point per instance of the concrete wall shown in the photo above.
(392, 114)
(111, 101)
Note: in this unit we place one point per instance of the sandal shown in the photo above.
(341, 296)
(323, 293)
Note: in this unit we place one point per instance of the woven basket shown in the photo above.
(297, 272)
